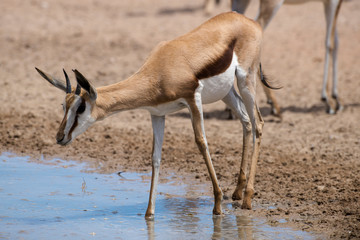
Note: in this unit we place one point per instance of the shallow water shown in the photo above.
(59, 201)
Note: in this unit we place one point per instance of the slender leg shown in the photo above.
(246, 84)
(249, 191)
(158, 125)
(334, 94)
(195, 107)
(335, 40)
(235, 103)
(330, 14)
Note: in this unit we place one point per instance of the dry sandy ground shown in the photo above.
(309, 164)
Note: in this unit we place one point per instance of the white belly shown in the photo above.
(170, 107)
(215, 88)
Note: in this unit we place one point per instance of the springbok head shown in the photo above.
(78, 106)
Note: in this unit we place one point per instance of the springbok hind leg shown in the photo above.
(249, 191)
(235, 103)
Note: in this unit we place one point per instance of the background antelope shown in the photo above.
(191, 70)
(268, 9)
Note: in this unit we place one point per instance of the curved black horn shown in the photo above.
(68, 85)
(78, 89)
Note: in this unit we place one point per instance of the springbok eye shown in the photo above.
(81, 108)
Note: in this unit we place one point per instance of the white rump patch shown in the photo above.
(215, 88)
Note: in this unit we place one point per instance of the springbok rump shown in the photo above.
(194, 69)
(268, 9)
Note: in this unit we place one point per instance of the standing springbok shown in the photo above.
(268, 9)
(191, 70)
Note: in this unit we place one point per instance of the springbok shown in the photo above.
(268, 9)
(194, 69)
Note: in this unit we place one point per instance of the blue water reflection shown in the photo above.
(59, 201)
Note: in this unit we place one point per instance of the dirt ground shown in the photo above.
(309, 164)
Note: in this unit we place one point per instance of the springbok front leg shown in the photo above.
(235, 103)
(195, 107)
(158, 125)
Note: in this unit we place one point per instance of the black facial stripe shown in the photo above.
(73, 126)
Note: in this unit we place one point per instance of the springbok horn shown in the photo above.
(68, 85)
(78, 89)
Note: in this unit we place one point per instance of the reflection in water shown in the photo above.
(222, 225)
(61, 202)
(245, 230)
(150, 229)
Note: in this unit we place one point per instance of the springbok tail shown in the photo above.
(264, 80)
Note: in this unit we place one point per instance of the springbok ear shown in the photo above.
(55, 82)
(85, 84)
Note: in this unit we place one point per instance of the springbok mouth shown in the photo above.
(63, 143)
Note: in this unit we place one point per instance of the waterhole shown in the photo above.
(60, 201)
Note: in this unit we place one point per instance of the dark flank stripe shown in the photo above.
(218, 66)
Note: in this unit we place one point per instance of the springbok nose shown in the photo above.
(59, 137)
